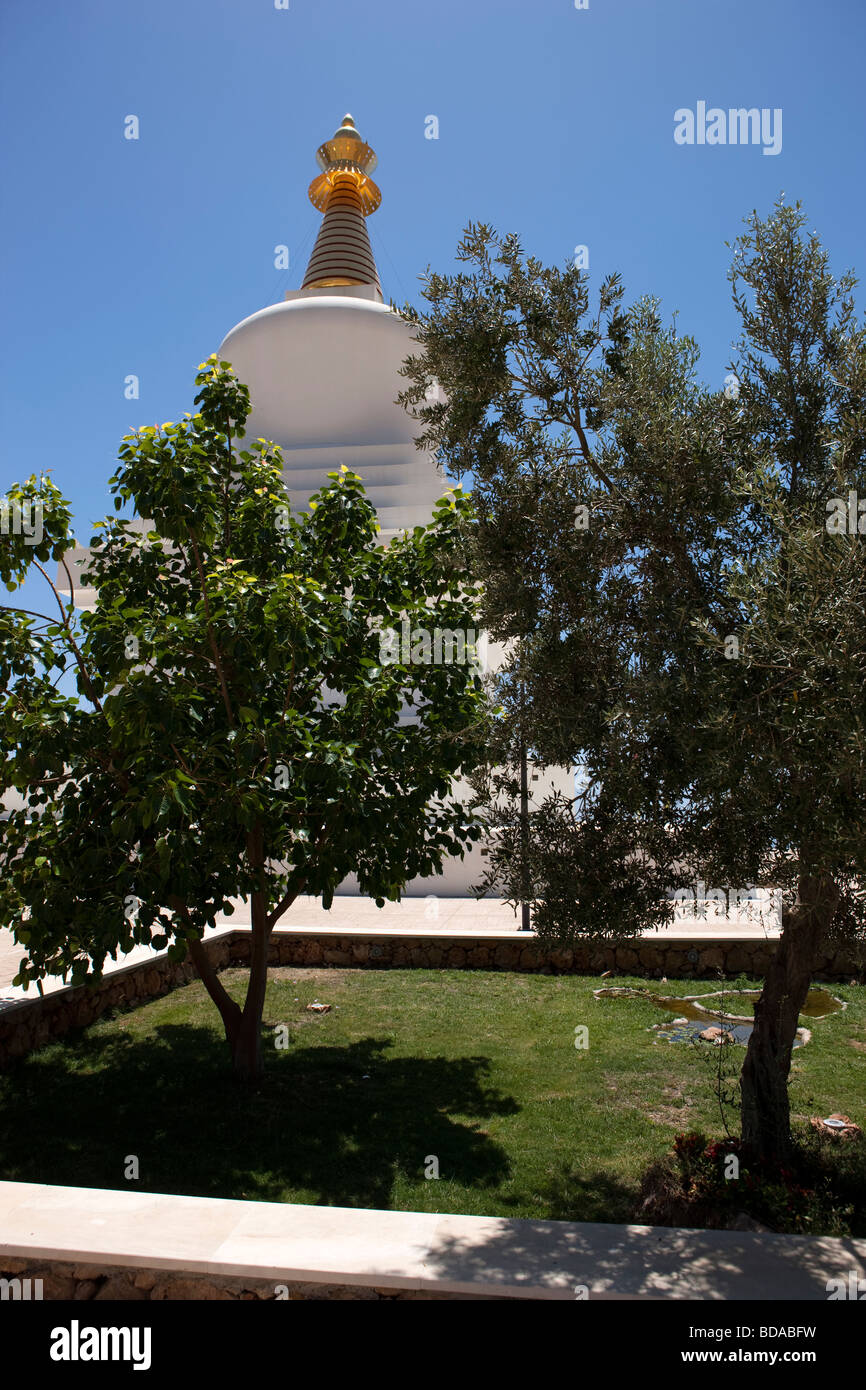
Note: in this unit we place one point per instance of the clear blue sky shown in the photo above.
(124, 256)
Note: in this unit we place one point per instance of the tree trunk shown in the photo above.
(765, 1107)
(229, 1011)
(243, 1027)
(246, 1047)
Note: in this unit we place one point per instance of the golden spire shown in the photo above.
(346, 194)
(346, 153)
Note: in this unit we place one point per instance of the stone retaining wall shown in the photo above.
(680, 959)
(30, 1023)
(62, 1281)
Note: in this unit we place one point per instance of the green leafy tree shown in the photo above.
(242, 728)
(685, 623)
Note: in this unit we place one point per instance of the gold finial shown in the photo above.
(347, 154)
(347, 129)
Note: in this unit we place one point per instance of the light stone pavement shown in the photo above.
(412, 916)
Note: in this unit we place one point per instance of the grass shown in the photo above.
(478, 1069)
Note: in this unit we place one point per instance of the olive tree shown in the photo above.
(683, 604)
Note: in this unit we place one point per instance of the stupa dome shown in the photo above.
(324, 370)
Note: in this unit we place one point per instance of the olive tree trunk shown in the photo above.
(765, 1107)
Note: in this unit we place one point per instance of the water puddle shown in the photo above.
(693, 1020)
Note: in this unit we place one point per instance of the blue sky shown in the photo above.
(121, 256)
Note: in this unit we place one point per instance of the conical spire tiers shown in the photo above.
(346, 153)
(346, 194)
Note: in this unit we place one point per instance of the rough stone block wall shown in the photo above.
(64, 1281)
(30, 1023)
(676, 960)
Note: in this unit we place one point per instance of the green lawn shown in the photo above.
(476, 1068)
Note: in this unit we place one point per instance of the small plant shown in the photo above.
(805, 1197)
(723, 1062)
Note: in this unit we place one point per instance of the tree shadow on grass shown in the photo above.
(331, 1124)
(589, 1196)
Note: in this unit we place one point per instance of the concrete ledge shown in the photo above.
(311, 1249)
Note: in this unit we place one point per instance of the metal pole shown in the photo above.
(524, 834)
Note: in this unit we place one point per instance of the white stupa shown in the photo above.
(323, 366)
(323, 372)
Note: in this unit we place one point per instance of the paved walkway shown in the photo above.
(412, 916)
(455, 916)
